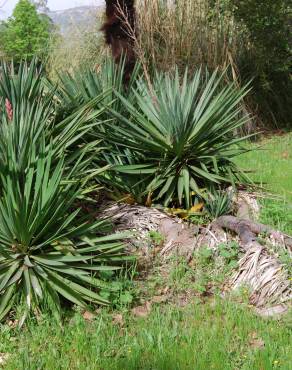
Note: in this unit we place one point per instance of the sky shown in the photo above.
(8, 6)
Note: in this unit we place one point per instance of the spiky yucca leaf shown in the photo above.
(30, 123)
(186, 132)
(82, 86)
(219, 203)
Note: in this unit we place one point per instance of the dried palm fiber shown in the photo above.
(179, 237)
(259, 268)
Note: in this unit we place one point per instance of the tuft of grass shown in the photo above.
(277, 213)
(186, 33)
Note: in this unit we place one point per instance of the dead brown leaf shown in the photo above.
(166, 290)
(256, 342)
(142, 311)
(3, 358)
(13, 323)
(182, 300)
(159, 299)
(118, 319)
(89, 316)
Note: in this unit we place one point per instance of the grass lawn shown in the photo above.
(215, 335)
(207, 333)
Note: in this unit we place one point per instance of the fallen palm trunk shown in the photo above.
(248, 230)
(259, 268)
(178, 236)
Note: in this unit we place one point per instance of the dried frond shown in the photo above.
(266, 277)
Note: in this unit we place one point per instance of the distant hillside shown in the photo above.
(82, 16)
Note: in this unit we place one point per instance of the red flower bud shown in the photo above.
(9, 109)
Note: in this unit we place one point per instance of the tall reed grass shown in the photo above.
(186, 33)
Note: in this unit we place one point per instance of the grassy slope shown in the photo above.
(272, 165)
(217, 334)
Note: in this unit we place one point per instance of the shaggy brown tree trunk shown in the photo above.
(120, 31)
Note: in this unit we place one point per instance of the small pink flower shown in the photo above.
(9, 109)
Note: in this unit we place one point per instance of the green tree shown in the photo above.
(25, 34)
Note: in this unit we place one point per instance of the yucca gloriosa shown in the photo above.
(219, 203)
(185, 130)
(83, 85)
(48, 249)
(21, 83)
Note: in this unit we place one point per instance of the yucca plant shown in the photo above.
(23, 85)
(27, 111)
(80, 87)
(47, 250)
(122, 185)
(31, 122)
(185, 131)
(218, 203)
(83, 85)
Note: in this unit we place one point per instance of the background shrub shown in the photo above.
(252, 37)
(80, 47)
(267, 58)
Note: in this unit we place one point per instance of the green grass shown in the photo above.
(207, 333)
(216, 335)
(271, 162)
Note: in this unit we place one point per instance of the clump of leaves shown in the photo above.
(219, 203)
(180, 273)
(23, 85)
(205, 256)
(286, 260)
(156, 238)
(83, 85)
(49, 251)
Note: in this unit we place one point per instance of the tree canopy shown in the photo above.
(26, 33)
